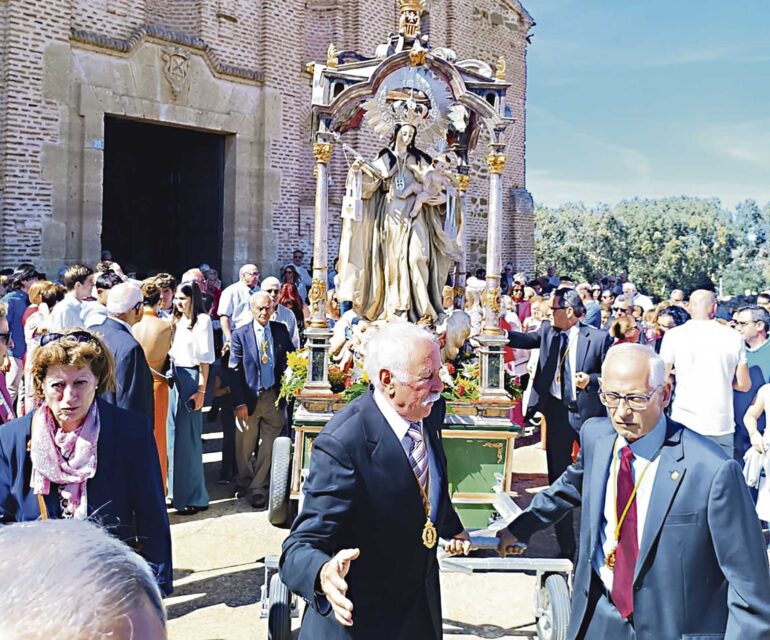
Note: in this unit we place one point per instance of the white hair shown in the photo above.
(391, 347)
(123, 297)
(246, 268)
(270, 281)
(657, 368)
(262, 295)
(67, 579)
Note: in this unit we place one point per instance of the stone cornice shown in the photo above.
(154, 32)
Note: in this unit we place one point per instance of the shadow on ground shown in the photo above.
(455, 628)
(233, 589)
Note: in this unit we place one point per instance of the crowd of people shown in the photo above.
(97, 364)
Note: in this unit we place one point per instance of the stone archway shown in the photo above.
(163, 85)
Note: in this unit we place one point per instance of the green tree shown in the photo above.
(662, 244)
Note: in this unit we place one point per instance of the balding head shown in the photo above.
(703, 305)
(634, 389)
(249, 275)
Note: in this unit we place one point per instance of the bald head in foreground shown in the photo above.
(363, 550)
(670, 543)
(65, 579)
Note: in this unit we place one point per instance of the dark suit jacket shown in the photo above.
(702, 567)
(125, 495)
(362, 493)
(132, 373)
(244, 360)
(592, 345)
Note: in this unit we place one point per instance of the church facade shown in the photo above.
(178, 132)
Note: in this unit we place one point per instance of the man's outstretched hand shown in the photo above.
(508, 544)
(332, 578)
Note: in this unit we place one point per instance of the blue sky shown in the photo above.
(648, 98)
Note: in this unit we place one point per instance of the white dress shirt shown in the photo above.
(400, 426)
(572, 338)
(285, 316)
(645, 451)
(235, 303)
(66, 314)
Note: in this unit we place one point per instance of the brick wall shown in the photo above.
(278, 38)
(30, 123)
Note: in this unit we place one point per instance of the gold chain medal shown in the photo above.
(429, 535)
(265, 359)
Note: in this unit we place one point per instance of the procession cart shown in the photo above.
(478, 441)
(551, 602)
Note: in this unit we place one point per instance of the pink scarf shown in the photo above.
(66, 459)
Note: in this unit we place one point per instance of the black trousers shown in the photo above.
(560, 437)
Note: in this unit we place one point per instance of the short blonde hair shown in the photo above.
(74, 352)
(621, 325)
(35, 292)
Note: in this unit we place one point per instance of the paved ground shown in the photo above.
(218, 560)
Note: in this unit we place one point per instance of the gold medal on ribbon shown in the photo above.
(610, 559)
(265, 359)
(429, 535)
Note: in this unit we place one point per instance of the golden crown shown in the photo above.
(413, 5)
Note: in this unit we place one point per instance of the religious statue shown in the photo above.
(394, 261)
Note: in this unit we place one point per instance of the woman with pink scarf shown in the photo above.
(78, 456)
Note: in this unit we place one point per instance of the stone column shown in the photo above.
(317, 294)
(492, 338)
(318, 333)
(461, 273)
(496, 164)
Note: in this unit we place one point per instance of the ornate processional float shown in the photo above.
(403, 235)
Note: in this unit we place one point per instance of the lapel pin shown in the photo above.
(675, 475)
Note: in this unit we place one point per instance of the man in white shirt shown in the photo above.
(635, 298)
(235, 303)
(79, 282)
(708, 360)
(271, 285)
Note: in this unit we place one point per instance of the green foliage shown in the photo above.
(662, 244)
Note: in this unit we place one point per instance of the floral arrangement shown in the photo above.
(350, 381)
(461, 383)
(461, 380)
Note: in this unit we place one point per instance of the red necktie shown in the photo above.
(628, 544)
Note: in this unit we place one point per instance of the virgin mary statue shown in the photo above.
(394, 260)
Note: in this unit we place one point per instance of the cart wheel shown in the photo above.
(279, 614)
(554, 609)
(279, 510)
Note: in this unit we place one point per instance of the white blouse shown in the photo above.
(195, 346)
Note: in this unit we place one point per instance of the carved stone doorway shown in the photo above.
(163, 196)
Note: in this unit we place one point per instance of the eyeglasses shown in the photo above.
(76, 336)
(621, 310)
(740, 323)
(5, 337)
(634, 401)
(271, 290)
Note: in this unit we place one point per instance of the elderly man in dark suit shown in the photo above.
(133, 389)
(376, 499)
(566, 385)
(258, 357)
(670, 544)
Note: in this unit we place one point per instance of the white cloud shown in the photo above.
(747, 141)
(553, 189)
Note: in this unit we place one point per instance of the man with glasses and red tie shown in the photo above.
(566, 385)
(362, 552)
(670, 544)
(6, 404)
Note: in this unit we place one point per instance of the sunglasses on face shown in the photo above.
(75, 336)
(5, 337)
(621, 310)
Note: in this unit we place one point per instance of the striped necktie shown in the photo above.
(418, 454)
